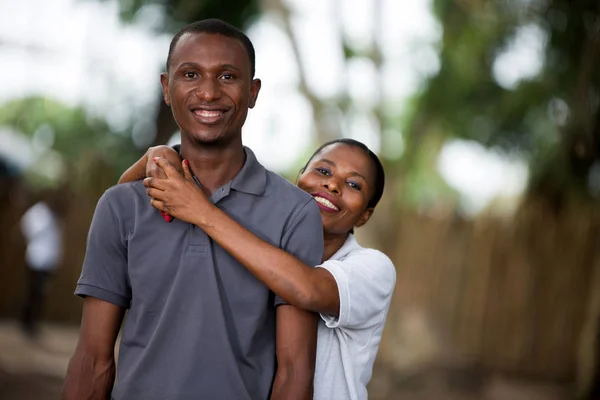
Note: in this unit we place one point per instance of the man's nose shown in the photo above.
(208, 89)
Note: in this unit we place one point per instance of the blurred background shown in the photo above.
(486, 114)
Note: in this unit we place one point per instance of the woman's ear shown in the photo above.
(298, 176)
(364, 218)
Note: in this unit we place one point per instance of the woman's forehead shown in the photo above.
(343, 152)
(346, 156)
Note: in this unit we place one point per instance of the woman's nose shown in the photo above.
(332, 185)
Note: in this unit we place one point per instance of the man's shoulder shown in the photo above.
(285, 190)
(124, 195)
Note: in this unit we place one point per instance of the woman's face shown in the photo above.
(341, 178)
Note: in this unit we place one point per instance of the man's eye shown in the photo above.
(227, 77)
(190, 75)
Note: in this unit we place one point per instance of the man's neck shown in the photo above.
(213, 166)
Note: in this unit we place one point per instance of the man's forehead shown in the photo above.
(193, 45)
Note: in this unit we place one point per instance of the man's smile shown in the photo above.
(209, 115)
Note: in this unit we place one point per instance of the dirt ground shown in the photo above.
(29, 386)
(35, 371)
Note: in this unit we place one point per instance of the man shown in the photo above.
(199, 325)
(41, 228)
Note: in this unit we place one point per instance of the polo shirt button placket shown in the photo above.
(198, 241)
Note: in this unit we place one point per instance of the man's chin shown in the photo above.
(207, 139)
(210, 138)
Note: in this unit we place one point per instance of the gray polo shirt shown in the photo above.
(199, 325)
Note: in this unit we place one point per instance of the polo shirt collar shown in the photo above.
(252, 178)
(349, 245)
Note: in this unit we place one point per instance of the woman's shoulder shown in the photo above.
(371, 259)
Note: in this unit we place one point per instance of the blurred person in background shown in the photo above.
(351, 289)
(41, 229)
(199, 325)
(6, 176)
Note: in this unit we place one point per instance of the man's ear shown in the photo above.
(254, 89)
(364, 218)
(164, 82)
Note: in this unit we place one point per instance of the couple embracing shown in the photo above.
(237, 284)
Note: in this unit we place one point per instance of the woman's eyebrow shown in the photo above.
(353, 173)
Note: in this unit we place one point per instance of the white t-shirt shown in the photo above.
(347, 345)
(44, 241)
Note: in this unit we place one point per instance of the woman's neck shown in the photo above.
(332, 244)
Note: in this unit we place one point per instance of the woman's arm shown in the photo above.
(146, 167)
(301, 285)
(136, 172)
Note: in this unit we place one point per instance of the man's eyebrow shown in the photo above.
(229, 66)
(353, 173)
(188, 65)
(194, 65)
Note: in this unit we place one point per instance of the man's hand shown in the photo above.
(166, 152)
(176, 195)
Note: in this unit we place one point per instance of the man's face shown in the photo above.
(209, 87)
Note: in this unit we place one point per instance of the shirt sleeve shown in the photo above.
(304, 238)
(104, 272)
(365, 281)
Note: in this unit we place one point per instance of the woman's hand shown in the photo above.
(145, 166)
(152, 169)
(176, 195)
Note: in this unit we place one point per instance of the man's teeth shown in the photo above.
(208, 114)
(325, 202)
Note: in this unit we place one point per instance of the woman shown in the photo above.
(351, 289)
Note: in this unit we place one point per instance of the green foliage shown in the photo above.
(78, 138)
(180, 12)
(465, 101)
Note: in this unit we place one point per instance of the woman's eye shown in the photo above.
(354, 185)
(322, 171)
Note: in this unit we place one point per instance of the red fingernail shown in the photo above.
(166, 217)
(187, 164)
(155, 158)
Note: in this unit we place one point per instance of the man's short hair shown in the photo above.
(217, 27)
